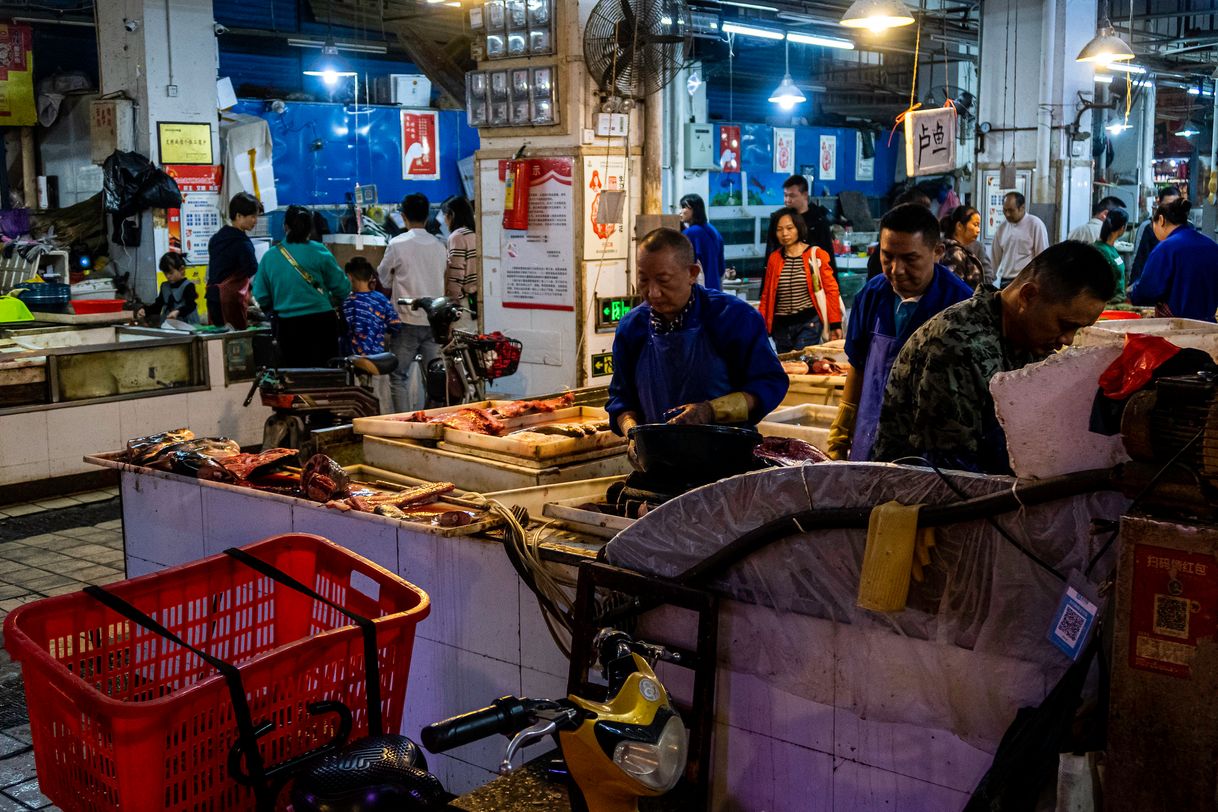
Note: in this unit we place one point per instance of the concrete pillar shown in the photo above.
(1030, 85)
(559, 344)
(162, 55)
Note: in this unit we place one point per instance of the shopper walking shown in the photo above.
(462, 277)
(963, 226)
(300, 284)
(413, 267)
(706, 240)
(795, 196)
(1181, 275)
(799, 296)
(1019, 239)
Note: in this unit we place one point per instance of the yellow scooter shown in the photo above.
(633, 745)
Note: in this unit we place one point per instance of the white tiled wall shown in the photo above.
(774, 752)
(23, 447)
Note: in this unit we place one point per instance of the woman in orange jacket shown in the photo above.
(799, 297)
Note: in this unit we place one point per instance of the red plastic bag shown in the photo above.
(1143, 354)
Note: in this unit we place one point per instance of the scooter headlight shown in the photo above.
(656, 766)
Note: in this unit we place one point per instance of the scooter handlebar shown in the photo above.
(505, 716)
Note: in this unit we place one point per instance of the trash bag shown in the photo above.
(132, 183)
(1135, 367)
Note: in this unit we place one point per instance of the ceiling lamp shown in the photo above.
(787, 95)
(1118, 127)
(1105, 47)
(877, 15)
(824, 42)
(1188, 129)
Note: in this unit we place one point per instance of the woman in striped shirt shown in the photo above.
(799, 295)
(462, 277)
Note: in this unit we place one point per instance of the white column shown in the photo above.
(162, 55)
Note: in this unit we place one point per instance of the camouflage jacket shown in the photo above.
(937, 404)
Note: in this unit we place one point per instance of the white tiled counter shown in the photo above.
(485, 638)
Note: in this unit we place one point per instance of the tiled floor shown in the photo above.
(47, 548)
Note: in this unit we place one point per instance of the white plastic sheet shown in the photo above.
(970, 648)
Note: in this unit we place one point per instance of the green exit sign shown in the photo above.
(602, 364)
(612, 309)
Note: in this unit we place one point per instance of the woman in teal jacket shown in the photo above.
(300, 284)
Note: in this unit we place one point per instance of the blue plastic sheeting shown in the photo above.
(765, 185)
(320, 152)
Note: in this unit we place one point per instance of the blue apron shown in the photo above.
(880, 357)
(679, 368)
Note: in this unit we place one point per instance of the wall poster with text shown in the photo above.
(538, 264)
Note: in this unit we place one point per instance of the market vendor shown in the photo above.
(937, 405)
(688, 354)
(912, 288)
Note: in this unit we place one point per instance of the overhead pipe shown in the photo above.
(1044, 107)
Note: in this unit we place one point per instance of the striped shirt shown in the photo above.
(793, 296)
(462, 274)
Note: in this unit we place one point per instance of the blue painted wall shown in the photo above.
(322, 150)
(765, 186)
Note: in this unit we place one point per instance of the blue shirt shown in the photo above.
(736, 332)
(708, 248)
(1181, 272)
(369, 316)
(877, 299)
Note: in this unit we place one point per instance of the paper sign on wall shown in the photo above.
(784, 150)
(827, 162)
(930, 141)
(864, 168)
(729, 149)
(420, 145)
(538, 264)
(17, 77)
(192, 226)
(603, 240)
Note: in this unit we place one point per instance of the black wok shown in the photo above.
(686, 456)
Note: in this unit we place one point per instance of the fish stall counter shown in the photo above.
(66, 391)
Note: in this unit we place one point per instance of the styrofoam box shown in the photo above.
(1202, 335)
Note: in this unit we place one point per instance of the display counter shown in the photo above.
(65, 391)
(780, 731)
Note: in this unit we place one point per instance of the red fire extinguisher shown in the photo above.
(516, 196)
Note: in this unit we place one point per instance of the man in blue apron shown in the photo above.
(886, 312)
(688, 354)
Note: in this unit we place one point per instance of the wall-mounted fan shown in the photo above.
(634, 47)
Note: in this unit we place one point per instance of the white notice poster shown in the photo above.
(603, 240)
(864, 168)
(784, 150)
(538, 264)
(827, 160)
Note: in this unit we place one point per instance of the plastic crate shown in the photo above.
(85, 306)
(125, 719)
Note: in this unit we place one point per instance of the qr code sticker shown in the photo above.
(1071, 626)
(1171, 616)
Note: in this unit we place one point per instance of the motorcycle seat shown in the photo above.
(382, 363)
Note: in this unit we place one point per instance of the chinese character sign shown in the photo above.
(784, 150)
(827, 160)
(930, 141)
(420, 145)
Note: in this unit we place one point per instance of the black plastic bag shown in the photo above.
(132, 183)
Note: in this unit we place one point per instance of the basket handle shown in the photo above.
(232, 676)
(372, 662)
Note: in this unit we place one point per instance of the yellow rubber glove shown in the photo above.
(842, 431)
(731, 408)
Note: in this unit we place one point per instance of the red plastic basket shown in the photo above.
(125, 719)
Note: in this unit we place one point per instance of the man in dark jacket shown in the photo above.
(231, 263)
(795, 196)
(1146, 238)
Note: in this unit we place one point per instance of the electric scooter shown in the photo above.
(468, 361)
(632, 745)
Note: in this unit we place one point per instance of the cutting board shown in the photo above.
(554, 449)
(395, 425)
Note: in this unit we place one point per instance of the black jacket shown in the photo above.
(817, 221)
(230, 251)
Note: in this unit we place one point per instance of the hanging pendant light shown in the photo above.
(877, 15)
(787, 95)
(1188, 129)
(1105, 47)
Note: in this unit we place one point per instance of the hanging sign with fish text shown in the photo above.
(930, 141)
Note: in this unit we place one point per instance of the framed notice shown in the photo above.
(538, 264)
(192, 226)
(827, 160)
(604, 173)
(17, 76)
(184, 143)
(420, 145)
(784, 150)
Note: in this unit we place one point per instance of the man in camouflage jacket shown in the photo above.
(937, 405)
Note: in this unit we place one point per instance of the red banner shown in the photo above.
(420, 145)
(729, 149)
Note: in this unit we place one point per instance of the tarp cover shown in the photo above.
(970, 648)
